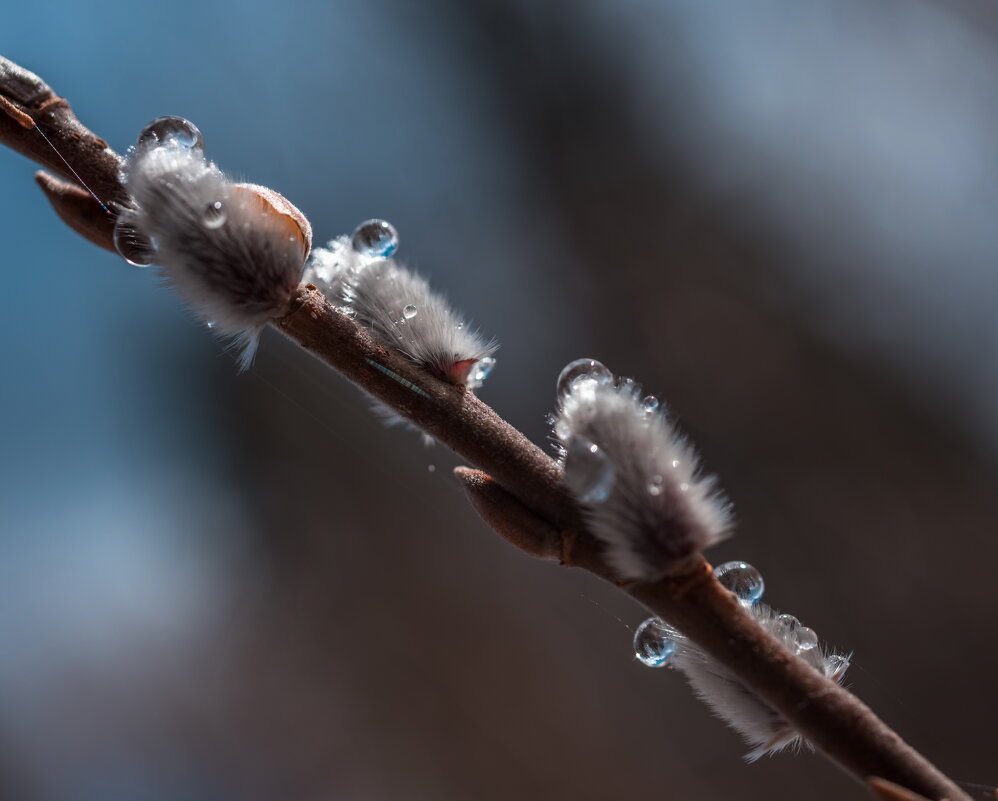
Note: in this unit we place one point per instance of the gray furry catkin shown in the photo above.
(654, 508)
(234, 252)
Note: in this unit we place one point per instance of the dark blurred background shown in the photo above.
(778, 216)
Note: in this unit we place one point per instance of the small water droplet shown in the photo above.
(655, 485)
(481, 370)
(132, 246)
(214, 215)
(432, 468)
(588, 473)
(649, 405)
(459, 326)
(588, 369)
(210, 324)
(654, 642)
(785, 627)
(174, 131)
(836, 665)
(742, 579)
(409, 312)
(806, 639)
(675, 463)
(562, 429)
(684, 487)
(375, 239)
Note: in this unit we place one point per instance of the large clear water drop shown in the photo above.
(743, 580)
(132, 246)
(806, 639)
(654, 642)
(375, 239)
(482, 369)
(785, 627)
(174, 131)
(582, 370)
(410, 311)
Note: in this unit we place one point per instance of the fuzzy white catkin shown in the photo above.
(762, 727)
(658, 508)
(236, 274)
(379, 292)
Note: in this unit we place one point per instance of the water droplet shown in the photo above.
(132, 246)
(588, 473)
(459, 326)
(742, 579)
(562, 429)
(171, 131)
(432, 468)
(836, 665)
(806, 639)
(214, 215)
(210, 324)
(481, 370)
(409, 312)
(654, 642)
(375, 239)
(684, 487)
(589, 369)
(785, 628)
(655, 485)
(649, 405)
(675, 463)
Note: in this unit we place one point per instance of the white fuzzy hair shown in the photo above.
(762, 727)
(377, 291)
(237, 275)
(659, 509)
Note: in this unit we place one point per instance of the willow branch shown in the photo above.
(520, 493)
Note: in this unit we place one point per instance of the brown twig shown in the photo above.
(521, 496)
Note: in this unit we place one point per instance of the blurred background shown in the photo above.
(780, 217)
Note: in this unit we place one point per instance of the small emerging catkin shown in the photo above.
(762, 727)
(636, 479)
(234, 252)
(401, 311)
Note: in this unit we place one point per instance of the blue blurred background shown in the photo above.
(778, 216)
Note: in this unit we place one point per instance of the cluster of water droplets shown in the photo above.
(804, 642)
(176, 132)
(655, 641)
